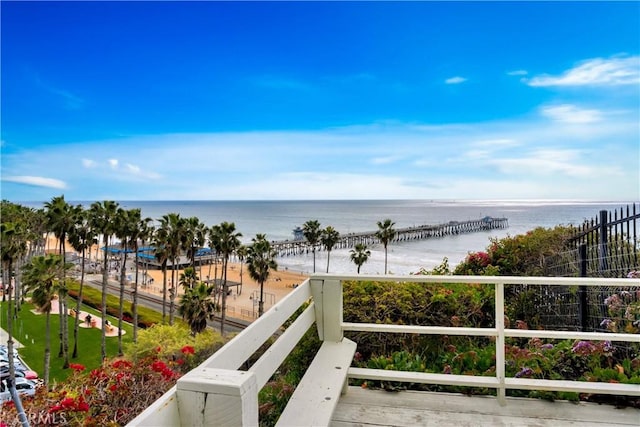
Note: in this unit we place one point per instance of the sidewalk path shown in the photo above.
(4, 337)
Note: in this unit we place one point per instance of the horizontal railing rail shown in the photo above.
(499, 382)
(219, 392)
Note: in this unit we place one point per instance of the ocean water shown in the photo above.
(277, 219)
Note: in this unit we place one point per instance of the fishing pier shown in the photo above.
(421, 232)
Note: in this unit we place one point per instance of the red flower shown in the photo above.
(158, 349)
(113, 388)
(122, 364)
(180, 361)
(187, 349)
(82, 407)
(158, 366)
(77, 367)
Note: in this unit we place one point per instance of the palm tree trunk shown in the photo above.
(105, 278)
(47, 347)
(76, 324)
(7, 275)
(385, 259)
(123, 271)
(224, 295)
(314, 258)
(60, 308)
(261, 303)
(164, 294)
(172, 292)
(328, 255)
(134, 304)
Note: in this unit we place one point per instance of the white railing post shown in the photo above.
(218, 397)
(327, 297)
(500, 356)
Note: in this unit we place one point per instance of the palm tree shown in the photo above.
(214, 244)
(359, 255)
(260, 260)
(330, 236)
(61, 218)
(312, 232)
(173, 244)
(41, 277)
(102, 216)
(386, 233)
(161, 254)
(188, 278)
(13, 248)
(126, 230)
(195, 236)
(241, 252)
(229, 242)
(143, 233)
(196, 307)
(81, 237)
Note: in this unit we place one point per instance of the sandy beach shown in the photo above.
(242, 303)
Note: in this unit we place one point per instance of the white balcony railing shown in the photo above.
(218, 393)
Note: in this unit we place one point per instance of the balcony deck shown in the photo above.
(361, 407)
(218, 393)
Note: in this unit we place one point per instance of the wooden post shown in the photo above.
(327, 297)
(500, 342)
(218, 397)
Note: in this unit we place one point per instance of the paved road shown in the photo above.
(155, 303)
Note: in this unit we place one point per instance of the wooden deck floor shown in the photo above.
(361, 407)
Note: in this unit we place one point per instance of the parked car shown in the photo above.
(24, 387)
(27, 373)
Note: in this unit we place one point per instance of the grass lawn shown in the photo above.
(29, 329)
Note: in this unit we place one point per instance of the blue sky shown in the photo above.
(320, 100)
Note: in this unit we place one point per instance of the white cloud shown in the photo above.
(518, 73)
(137, 171)
(457, 160)
(614, 71)
(88, 163)
(455, 80)
(546, 162)
(385, 160)
(495, 143)
(567, 113)
(37, 181)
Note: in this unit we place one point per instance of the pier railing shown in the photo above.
(220, 392)
(420, 232)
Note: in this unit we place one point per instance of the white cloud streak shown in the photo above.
(37, 181)
(614, 71)
(567, 113)
(455, 80)
(553, 152)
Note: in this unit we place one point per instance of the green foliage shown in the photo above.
(521, 255)
(414, 304)
(29, 330)
(93, 298)
(168, 341)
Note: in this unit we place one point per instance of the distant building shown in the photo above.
(298, 233)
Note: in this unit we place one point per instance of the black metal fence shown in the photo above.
(605, 246)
